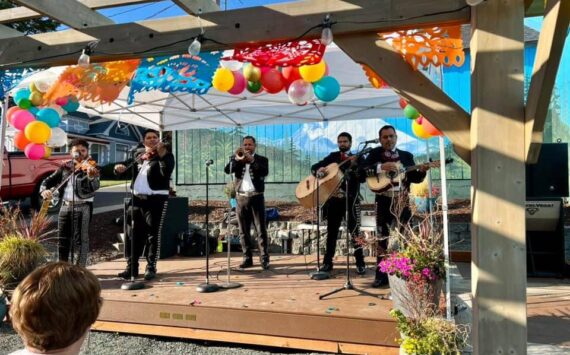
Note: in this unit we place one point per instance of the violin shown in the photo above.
(84, 165)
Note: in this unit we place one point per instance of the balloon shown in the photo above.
(21, 119)
(21, 94)
(37, 132)
(58, 109)
(24, 103)
(251, 72)
(36, 98)
(20, 140)
(223, 79)
(403, 103)
(430, 128)
(35, 151)
(34, 110)
(327, 89)
(313, 73)
(49, 116)
(272, 81)
(419, 130)
(410, 112)
(254, 87)
(72, 104)
(61, 101)
(58, 138)
(47, 153)
(39, 86)
(10, 112)
(326, 70)
(232, 65)
(300, 92)
(290, 74)
(239, 83)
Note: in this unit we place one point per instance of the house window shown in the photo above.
(121, 152)
(123, 130)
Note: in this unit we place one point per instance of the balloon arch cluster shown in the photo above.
(421, 127)
(36, 122)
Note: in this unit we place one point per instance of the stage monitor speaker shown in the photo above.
(549, 176)
(175, 222)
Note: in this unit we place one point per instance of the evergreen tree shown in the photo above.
(38, 25)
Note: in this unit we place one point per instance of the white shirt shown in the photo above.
(68, 192)
(247, 183)
(141, 186)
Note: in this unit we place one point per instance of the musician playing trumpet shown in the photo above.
(250, 170)
(77, 207)
(386, 158)
(335, 208)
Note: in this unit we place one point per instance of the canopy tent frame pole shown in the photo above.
(3, 135)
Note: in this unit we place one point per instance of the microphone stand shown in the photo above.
(228, 284)
(348, 283)
(318, 275)
(131, 285)
(207, 286)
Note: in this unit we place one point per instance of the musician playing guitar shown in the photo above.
(335, 207)
(385, 158)
(77, 194)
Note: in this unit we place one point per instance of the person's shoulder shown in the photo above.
(404, 152)
(259, 156)
(22, 352)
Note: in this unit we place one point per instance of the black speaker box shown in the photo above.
(175, 223)
(549, 176)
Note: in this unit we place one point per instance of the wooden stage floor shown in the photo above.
(277, 307)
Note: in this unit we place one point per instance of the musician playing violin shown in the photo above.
(391, 204)
(77, 207)
(334, 209)
(152, 167)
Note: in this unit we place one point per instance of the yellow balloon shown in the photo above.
(36, 98)
(33, 87)
(223, 79)
(251, 72)
(37, 132)
(313, 73)
(48, 152)
(419, 130)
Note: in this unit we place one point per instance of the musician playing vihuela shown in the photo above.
(75, 182)
(250, 170)
(387, 160)
(335, 207)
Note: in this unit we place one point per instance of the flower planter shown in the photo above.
(423, 203)
(402, 297)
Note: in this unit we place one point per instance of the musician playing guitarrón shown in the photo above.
(335, 207)
(150, 186)
(385, 159)
(77, 194)
(250, 171)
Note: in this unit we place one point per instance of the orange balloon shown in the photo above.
(12, 110)
(20, 140)
(419, 131)
(430, 128)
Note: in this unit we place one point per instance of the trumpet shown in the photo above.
(240, 153)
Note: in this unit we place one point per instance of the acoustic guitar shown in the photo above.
(306, 191)
(385, 180)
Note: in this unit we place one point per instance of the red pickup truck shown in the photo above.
(22, 177)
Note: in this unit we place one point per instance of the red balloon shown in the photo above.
(430, 128)
(12, 110)
(20, 140)
(403, 103)
(290, 74)
(272, 81)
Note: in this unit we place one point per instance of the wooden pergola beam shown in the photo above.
(9, 32)
(413, 86)
(69, 12)
(546, 63)
(197, 7)
(260, 24)
(22, 13)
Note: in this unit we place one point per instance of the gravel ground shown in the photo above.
(115, 344)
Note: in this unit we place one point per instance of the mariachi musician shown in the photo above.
(77, 180)
(250, 171)
(150, 185)
(335, 208)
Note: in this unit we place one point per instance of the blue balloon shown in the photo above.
(34, 110)
(22, 94)
(49, 116)
(71, 106)
(327, 89)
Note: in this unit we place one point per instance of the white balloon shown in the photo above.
(58, 138)
(58, 108)
(300, 92)
(232, 65)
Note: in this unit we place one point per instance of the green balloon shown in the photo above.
(411, 112)
(24, 103)
(254, 86)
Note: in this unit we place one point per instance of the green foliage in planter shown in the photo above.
(18, 257)
(430, 335)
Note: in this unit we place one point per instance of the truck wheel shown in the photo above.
(37, 200)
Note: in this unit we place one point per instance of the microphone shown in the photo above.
(209, 162)
(375, 141)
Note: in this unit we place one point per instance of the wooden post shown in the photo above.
(498, 179)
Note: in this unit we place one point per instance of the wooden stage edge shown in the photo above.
(240, 338)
